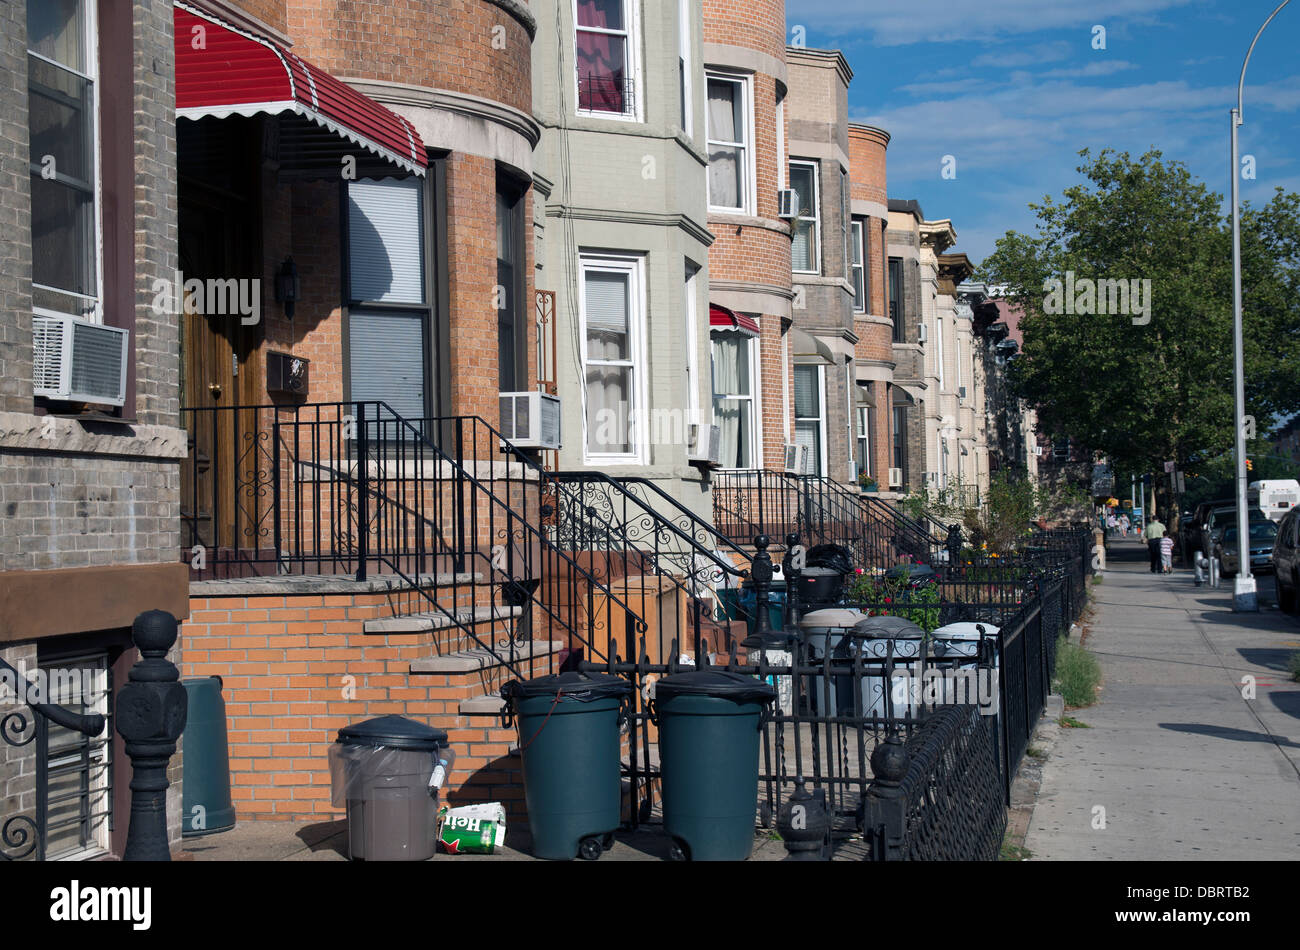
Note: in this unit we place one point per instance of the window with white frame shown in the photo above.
(691, 285)
(734, 402)
(858, 263)
(612, 317)
(804, 253)
(78, 789)
(605, 53)
(810, 414)
(730, 136)
(938, 350)
(844, 222)
(62, 72)
(388, 312)
(864, 440)
(684, 63)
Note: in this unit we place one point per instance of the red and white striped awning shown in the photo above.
(721, 318)
(222, 70)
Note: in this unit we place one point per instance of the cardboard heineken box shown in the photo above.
(472, 829)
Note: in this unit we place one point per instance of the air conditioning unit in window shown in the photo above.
(961, 392)
(895, 478)
(79, 361)
(1038, 450)
(787, 204)
(792, 458)
(531, 420)
(920, 332)
(704, 444)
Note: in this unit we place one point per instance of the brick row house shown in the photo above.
(458, 335)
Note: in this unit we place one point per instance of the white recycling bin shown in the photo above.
(823, 631)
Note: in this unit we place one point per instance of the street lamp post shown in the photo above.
(1243, 587)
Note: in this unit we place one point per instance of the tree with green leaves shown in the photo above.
(1146, 387)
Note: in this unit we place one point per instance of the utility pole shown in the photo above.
(1243, 587)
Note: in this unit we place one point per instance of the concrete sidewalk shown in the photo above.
(1182, 764)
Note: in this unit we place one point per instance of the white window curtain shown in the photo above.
(733, 397)
(385, 250)
(726, 143)
(859, 270)
(807, 412)
(803, 252)
(610, 370)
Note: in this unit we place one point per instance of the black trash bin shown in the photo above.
(569, 742)
(388, 772)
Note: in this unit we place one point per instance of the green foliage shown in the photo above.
(1293, 666)
(1077, 674)
(1013, 852)
(882, 597)
(1007, 517)
(1069, 722)
(1142, 394)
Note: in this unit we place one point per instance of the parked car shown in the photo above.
(1286, 560)
(1219, 518)
(1262, 535)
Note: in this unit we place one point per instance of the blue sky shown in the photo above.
(1014, 88)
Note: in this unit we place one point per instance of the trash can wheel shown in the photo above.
(590, 849)
(679, 850)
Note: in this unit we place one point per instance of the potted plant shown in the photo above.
(866, 483)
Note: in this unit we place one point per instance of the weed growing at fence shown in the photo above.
(1069, 722)
(1013, 852)
(1035, 753)
(1077, 674)
(1293, 666)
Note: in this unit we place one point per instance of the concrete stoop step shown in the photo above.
(429, 621)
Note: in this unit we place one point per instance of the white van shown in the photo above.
(1276, 496)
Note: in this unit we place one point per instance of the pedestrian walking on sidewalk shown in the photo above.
(1167, 554)
(1123, 525)
(1153, 532)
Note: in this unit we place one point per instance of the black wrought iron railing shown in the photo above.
(613, 94)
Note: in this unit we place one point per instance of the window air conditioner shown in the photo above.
(704, 444)
(792, 458)
(531, 420)
(1038, 450)
(895, 478)
(961, 392)
(787, 201)
(920, 332)
(79, 361)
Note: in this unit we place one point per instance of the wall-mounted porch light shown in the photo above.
(287, 286)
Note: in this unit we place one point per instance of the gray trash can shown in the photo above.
(878, 641)
(387, 772)
(823, 631)
(955, 647)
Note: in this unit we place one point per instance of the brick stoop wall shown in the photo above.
(297, 666)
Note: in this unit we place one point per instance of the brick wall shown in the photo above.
(753, 24)
(15, 214)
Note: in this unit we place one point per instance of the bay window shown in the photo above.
(388, 314)
(605, 55)
(859, 267)
(733, 396)
(61, 84)
(809, 414)
(729, 142)
(612, 314)
(804, 252)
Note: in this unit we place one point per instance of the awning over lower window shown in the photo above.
(720, 318)
(222, 70)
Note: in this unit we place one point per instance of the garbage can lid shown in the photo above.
(831, 617)
(887, 628)
(395, 732)
(914, 572)
(808, 572)
(580, 687)
(723, 684)
(964, 630)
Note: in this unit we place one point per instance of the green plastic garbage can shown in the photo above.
(569, 743)
(205, 800)
(708, 752)
(388, 772)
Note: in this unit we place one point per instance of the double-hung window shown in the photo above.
(804, 254)
(730, 144)
(896, 297)
(61, 85)
(810, 414)
(606, 56)
(612, 326)
(388, 312)
(733, 396)
(859, 266)
(864, 418)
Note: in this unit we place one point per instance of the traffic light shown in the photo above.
(1250, 466)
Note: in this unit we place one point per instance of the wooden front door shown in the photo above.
(225, 496)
